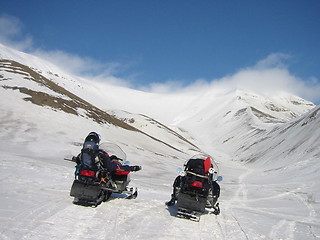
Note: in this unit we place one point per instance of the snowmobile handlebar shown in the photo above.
(70, 159)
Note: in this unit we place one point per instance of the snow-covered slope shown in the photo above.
(285, 144)
(24, 88)
(228, 122)
(266, 150)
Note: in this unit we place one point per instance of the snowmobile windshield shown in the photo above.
(114, 149)
(205, 161)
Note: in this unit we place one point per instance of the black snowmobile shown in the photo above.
(196, 189)
(91, 187)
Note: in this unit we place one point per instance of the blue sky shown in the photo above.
(145, 42)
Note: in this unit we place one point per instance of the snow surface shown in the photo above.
(270, 169)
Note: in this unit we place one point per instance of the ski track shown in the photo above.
(117, 218)
(283, 228)
(24, 222)
(246, 212)
(283, 225)
(288, 226)
(232, 226)
(152, 219)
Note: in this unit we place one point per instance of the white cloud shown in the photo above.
(11, 33)
(83, 66)
(176, 86)
(274, 60)
(167, 87)
(269, 76)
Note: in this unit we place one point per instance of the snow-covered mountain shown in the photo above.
(25, 89)
(267, 148)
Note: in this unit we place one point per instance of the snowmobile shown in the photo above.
(198, 190)
(90, 187)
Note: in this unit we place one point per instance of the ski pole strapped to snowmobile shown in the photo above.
(198, 189)
(95, 185)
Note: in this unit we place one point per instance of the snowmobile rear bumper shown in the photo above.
(85, 191)
(194, 203)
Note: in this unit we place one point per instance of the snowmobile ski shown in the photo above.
(133, 193)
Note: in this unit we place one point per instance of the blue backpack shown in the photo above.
(88, 154)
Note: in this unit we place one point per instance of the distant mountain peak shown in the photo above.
(277, 108)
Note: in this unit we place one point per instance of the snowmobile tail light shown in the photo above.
(122, 173)
(87, 173)
(197, 184)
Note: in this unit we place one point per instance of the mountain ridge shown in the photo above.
(209, 119)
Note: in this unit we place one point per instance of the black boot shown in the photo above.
(172, 201)
(216, 209)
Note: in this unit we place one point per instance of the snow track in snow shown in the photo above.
(36, 205)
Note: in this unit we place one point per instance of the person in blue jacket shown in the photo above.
(92, 157)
